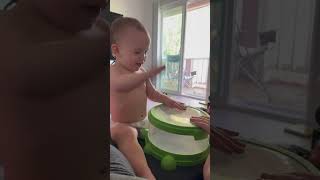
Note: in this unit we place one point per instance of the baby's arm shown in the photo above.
(127, 82)
(157, 96)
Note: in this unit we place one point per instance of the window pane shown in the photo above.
(197, 49)
(171, 45)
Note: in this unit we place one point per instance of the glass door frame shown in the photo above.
(220, 29)
(157, 45)
(313, 96)
(167, 6)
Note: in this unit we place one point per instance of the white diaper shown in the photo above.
(141, 124)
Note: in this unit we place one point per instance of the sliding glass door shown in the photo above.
(185, 47)
(171, 46)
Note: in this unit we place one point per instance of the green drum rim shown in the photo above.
(181, 160)
(198, 133)
(298, 159)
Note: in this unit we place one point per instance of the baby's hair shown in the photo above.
(121, 24)
(10, 3)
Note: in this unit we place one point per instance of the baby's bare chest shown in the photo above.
(137, 94)
(134, 98)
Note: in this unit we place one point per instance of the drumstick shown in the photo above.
(231, 133)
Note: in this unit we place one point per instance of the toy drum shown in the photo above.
(259, 158)
(173, 139)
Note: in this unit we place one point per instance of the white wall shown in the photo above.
(140, 9)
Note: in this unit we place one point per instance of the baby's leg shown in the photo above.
(125, 137)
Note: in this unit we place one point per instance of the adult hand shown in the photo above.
(204, 123)
(222, 139)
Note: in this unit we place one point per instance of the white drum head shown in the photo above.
(176, 117)
(255, 161)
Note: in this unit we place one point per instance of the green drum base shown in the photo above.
(169, 161)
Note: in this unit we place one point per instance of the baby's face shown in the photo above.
(132, 49)
(71, 15)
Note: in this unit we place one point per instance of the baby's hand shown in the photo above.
(174, 104)
(154, 71)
